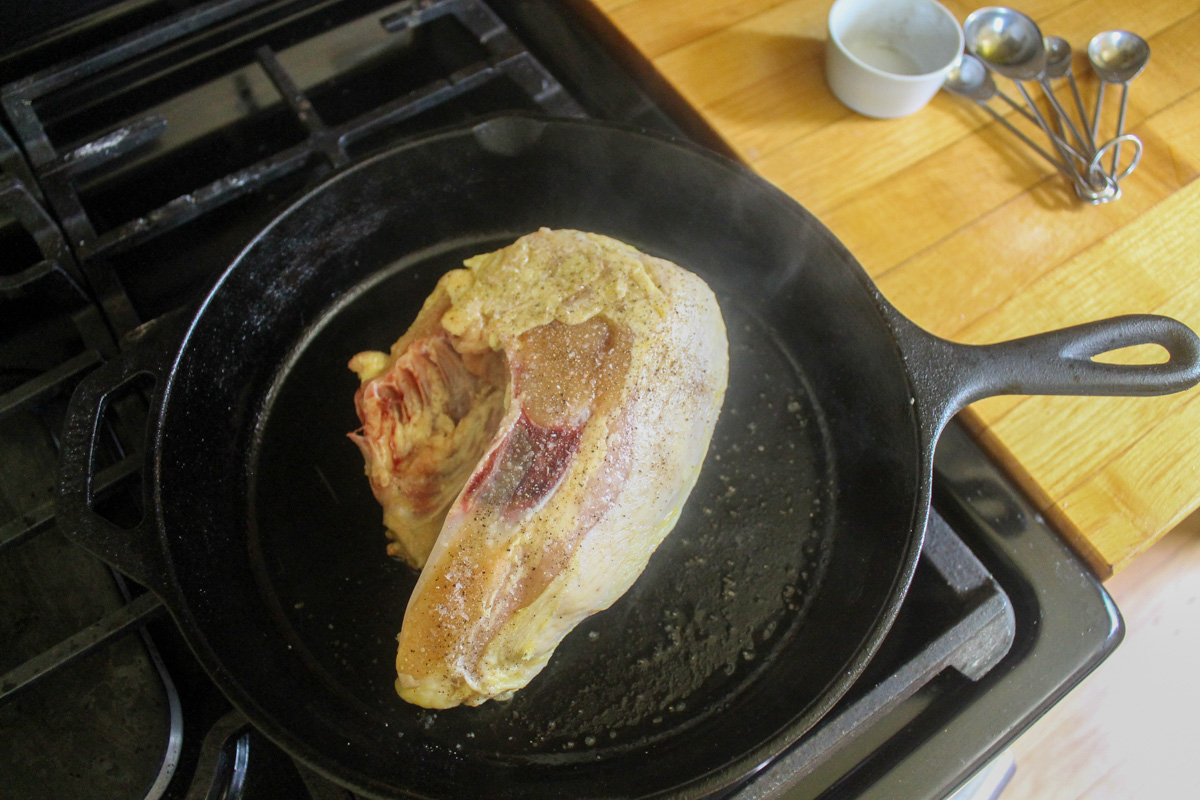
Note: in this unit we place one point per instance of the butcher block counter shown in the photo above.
(975, 238)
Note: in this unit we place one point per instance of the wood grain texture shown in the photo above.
(976, 238)
(660, 27)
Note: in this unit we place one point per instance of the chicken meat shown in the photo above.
(532, 439)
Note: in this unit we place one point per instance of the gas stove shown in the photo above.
(143, 144)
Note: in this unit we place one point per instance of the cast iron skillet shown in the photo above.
(756, 614)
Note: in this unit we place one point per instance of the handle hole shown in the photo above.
(1138, 354)
(118, 456)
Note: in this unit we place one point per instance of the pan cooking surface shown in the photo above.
(718, 600)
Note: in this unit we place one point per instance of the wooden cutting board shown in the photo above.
(975, 238)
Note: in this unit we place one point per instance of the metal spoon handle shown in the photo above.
(1138, 147)
(1020, 109)
(1066, 118)
(1057, 164)
(1063, 148)
(1078, 180)
(1096, 113)
(1082, 113)
(1120, 126)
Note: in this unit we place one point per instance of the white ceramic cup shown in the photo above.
(888, 58)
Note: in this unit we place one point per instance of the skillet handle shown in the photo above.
(135, 551)
(1058, 362)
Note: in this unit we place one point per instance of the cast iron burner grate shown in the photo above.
(133, 173)
(94, 710)
(242, 99)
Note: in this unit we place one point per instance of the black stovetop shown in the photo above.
(144, 143)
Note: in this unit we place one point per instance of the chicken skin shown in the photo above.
(532, 439)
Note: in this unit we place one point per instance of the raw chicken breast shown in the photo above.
(533, 438)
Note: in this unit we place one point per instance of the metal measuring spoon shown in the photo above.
(1058, 65)
(969, 78)
(1058, 56)
(1007, 41)
(1116, 57)
(1011, 45)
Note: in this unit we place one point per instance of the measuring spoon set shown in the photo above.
(1007, 43)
